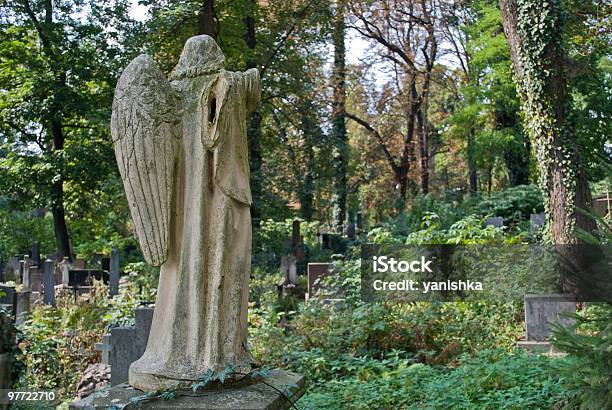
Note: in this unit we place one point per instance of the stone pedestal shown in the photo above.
(257, 396)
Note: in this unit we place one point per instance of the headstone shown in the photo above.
(8, 297)
(96, 260)
(22, 306)
(105, 263)
(537, 221)
(289, 270)
(359, 221)
(84, 277)
(78, 264)
(14, 268)
(36, 254)
(543, 310)
(114, 273)
(496, 221)
(316, 271)
(126, 344)
(295, 234)
(64, 267)
(350, 231)
(49, 283)
(26, 274)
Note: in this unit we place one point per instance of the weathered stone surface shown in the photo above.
(496, 221)
(95, 377)
(22, 308)
(316, 272)
(182, 152)
(49, 282)
(258, 396)
(543, 310)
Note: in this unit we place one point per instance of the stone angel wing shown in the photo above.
(145, 126)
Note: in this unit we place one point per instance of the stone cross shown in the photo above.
(181, 147)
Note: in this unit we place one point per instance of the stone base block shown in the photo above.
(540, 347)
(257, 396)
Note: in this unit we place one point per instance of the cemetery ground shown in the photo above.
(355, 355)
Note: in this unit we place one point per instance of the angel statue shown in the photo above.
(181, 148)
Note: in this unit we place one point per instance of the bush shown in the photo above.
(493, 379)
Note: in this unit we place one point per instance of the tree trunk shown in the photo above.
(538, 61)
(423, 152)
(340, 154)
(471, 160)
(207, 19)
(60, 227)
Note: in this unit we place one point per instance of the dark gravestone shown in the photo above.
(8, 297)
(350, 232)
(114, 273)
(36, 254)
(96, 260)
(496, 221)
(84, 277)
(543, 310)
(316, 272)
(126, 344)
(49, 282)
(105, 263)
(359, 221)
(295, 234)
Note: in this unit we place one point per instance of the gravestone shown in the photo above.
(316, 272)
(113, 288)
(14, 267)
(64, 267)
(49, 282)
(36, 254)
(289, 270)
(359, 221)
(8, 297)
(350, 231)
(537, 221)
(22, 306)
(26, 275)
(126, 344)
(541, 311)
(495, 221)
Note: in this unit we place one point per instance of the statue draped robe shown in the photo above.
(182, 153)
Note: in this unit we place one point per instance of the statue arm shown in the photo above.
(252, 86)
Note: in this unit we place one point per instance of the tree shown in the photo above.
(534, 30)
(61, 61)
(405, 32)
(341, 148)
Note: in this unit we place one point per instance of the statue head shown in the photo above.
(200, 56)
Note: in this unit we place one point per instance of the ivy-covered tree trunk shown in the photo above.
(534, 32)
(340, 154)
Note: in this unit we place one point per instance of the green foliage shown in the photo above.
(589, 343)
(19, 230)
(56, 344)
(492, 379)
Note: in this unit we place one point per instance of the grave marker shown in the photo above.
(537, 221)
(316, 272)
(114, 273)
(36, 254)
(495, 221)
(49, 283)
